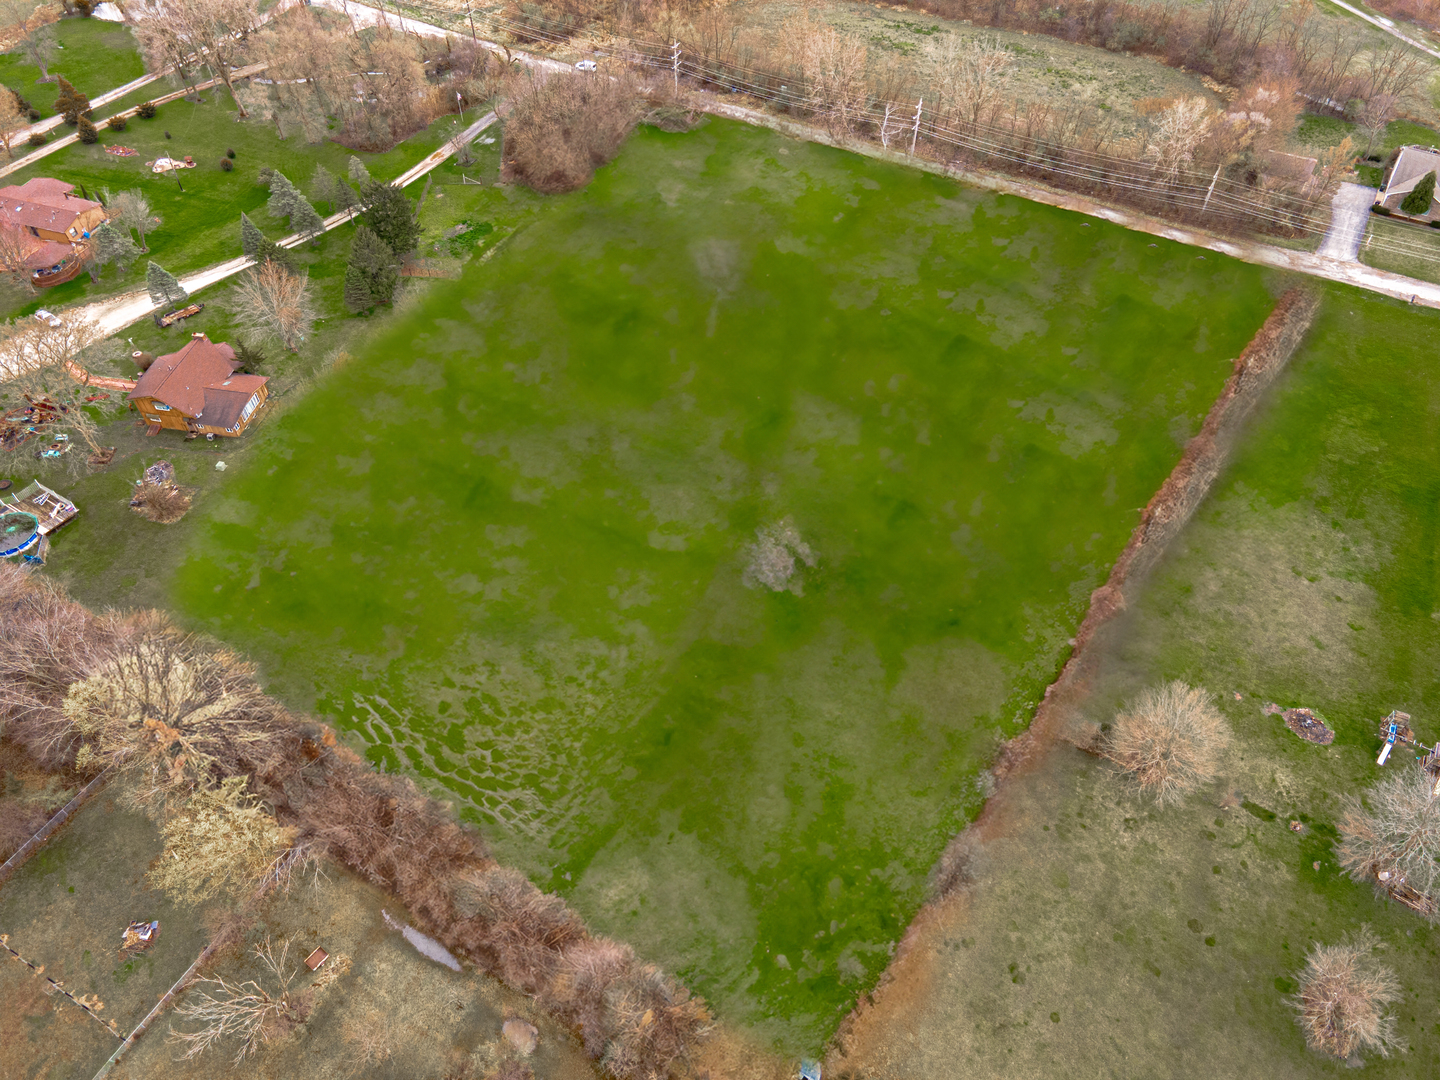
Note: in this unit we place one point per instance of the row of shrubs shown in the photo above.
(80, 692)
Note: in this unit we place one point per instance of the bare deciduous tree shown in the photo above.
(1170, 739)
(1176, 134)
(1344, 999)
(220, 841)
(1375, 118)
(832, 65)
(15, 248)
(969, 77)
(245, 1011)
(272, 302)
(1393, 838)
(12, 120)
(132, 210)
(215, 29)
(37, 36)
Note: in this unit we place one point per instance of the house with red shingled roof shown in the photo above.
(198, 390)
(51, 224)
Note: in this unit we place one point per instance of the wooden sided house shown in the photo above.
(52, 226)
(197, 390)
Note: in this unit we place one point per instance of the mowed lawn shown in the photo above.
(510, 546)
(94, 56)
(1112, 938)
(200, 210)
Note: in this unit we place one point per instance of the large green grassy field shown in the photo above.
(1111, 938)
(511, 545)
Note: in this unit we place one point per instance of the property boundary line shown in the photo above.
(48, 829)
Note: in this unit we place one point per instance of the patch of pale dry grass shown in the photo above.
(1170, 739)
(1344, 999)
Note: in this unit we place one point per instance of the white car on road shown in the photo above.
(48, 318)
(585, 65)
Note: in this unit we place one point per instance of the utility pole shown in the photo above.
(915, 135)
(470, 12)
(675, 64)
(1213, 179)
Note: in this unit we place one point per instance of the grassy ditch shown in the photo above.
(544, 485)
(1110, 937)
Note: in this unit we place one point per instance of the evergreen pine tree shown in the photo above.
(163, 286)
(391, 217)
(372, 273)
(358, 297)
(322, 186)
(114, 246)
(1420, 197)
(88, 131)
(70, 103)
(305, 219)
(283, 196)
(345, 196)
(251, 238)
(358, 173)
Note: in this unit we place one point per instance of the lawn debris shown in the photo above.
(162, 472)
(122, 151)
(102, 457)
(316, 958)
(1296, 826)
(173, 317)
(1306, 723)
(139, 936)
(25, 422)
(163, 504)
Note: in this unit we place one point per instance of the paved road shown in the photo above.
(1349, 213)
(117, 312)
(1388, 26)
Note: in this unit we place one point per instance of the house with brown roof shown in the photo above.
(197, 390)
(52, 223)
(1411, 165)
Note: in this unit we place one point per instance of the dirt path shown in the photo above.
(1349, 213)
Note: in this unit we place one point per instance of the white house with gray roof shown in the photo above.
(1412, 164)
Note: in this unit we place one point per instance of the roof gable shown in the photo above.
(180, 379)
(1413, 163)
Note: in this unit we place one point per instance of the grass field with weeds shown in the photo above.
(66, 909)
(390, 1013)
(1107, 936)
(704, 542)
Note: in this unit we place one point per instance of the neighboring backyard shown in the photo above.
(93, 56)
(705, 542)
(1109, 937)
